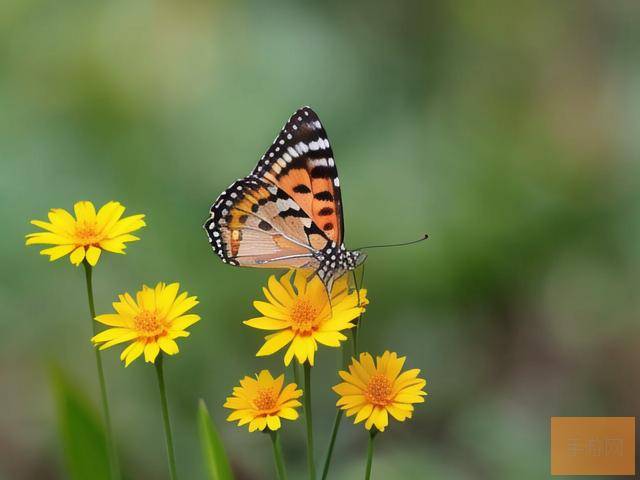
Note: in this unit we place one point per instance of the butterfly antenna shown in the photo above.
(395, 244)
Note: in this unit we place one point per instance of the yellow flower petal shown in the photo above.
(151, 351)
(364, 413)
(398, 414)
(113, 246)
(300, 349)
(394, 367)
(347, 389)
(85, 211)
(348, 377)
(330, 339)
(57, 252)
(269, 310)
(311, 349)
(170, 347)
(238, 415)
(285, 281)
(300, 282)
(111, 319)
(126, 225)
(288, 356)
(273, 422)
(168, 298)
(371, 420)
(184, 321)
(77, 256)
(126, 351)
(367, 363)
(134, 352)
(382, 419)
(266, 323)
(279, 292)
(125, 337)
(181, 306)
(289, 414)
(93, 254)
(237, 403)
(264, 378)
(275, 343)
(108, 215)
(50, 227)
(110, 334)
(403, 398)
(62, 220)
(44, 238)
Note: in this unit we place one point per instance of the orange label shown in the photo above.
(593, 445)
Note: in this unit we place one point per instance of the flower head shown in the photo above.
(86, 235)
(375, 390)
(151, 322)
(303, 315)
(262, 402)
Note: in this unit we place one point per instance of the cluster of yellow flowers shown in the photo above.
(297, 311)
(303, 316)
(156, 317)
(151, 322)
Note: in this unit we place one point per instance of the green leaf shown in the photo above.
(82, 433)
(215, 457)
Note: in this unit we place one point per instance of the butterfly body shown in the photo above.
(288, 212)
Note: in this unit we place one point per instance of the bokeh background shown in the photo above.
(509, 131)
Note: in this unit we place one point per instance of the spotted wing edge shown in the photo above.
(304, 136)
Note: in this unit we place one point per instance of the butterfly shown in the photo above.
(287, 213)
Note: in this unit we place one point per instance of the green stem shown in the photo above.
(307, 412)
(332, 442)
(354, 340)
(345, 362)
(165, 418)
(372, 435)
(296, 374)
(277, 455)
(355, 330)
(111, 449)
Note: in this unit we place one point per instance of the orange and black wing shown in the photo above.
(254, 223)
(300, 162)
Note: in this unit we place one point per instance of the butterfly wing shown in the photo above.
(254, 223)
(300, 162)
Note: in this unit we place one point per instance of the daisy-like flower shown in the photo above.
(303, 316)
(86, 235)
(151, 322)
(373, 391)
(262, 402)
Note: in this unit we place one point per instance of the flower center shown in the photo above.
(266, 399)
(148, 324)
(304, 317)
(86, 233)
(378, 390)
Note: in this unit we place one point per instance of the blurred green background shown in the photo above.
(509, 131)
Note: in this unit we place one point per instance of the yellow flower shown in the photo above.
(304, 316)
(262, 402)
(374, 390)
(86, 235)
(151, 322)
